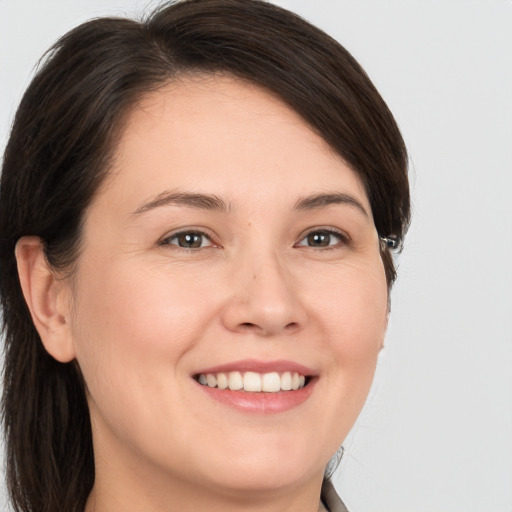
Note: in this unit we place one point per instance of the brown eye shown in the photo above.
(319, 239)
(322, 239)
(188, 240)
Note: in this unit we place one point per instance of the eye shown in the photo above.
(188, 240)
(323, 238)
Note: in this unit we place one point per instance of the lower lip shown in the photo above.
(263, 403)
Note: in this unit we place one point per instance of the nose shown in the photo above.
(264, 299)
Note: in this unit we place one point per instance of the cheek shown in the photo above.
(351, 315)
(133, 330)
(355, 315)
(128, 319)
(355, 311)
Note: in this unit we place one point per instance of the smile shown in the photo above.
(253, 382)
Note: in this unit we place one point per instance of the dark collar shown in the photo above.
(330, 498)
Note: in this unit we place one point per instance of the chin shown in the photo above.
(265, 467)
(278, 477)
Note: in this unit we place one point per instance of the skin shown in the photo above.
(142, 315)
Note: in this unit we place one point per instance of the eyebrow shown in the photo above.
(215, 203)
(322, 200)
(192, 200)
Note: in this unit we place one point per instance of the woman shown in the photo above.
(197, 213)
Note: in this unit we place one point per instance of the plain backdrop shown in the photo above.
(436, 433)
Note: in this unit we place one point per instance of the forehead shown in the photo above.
(224, 136)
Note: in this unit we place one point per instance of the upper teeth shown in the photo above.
(254, 382)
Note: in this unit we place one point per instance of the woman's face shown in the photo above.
(229, 238)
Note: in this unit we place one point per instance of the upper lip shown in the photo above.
(253, 365)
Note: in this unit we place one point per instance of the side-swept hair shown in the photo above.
(63, 137)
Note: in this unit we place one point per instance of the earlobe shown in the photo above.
(43, 295)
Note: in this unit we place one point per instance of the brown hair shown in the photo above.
(58, 154)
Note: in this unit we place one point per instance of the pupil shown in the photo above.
(318, 239)
(190, 240)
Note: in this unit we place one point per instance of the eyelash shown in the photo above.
(343, 239)
(192, 232)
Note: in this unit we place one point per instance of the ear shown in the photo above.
(45, 298)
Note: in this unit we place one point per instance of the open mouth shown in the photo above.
(253, 382)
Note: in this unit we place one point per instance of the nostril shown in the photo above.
(249, 326)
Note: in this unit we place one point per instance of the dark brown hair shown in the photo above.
(63, 137)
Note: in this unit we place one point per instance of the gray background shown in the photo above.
(436, 433)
